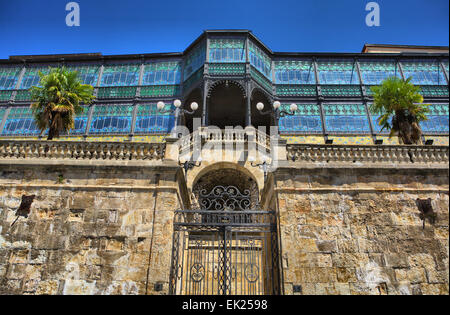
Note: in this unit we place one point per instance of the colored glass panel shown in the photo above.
(296, 90)
(306, 119)
(346, 118)
(337, 72)
(341, 90)
(117, 92)
(88, 74)
(373, 72)
(150, 120)
(226, 68)
(438, 119)
(294, 72)
(120, 75)
(9, 77)
(31, 77)
(227, 50)
(260, 60)
(160, 90)
(20, 121)
(5, 95)
(434, 90)
(162, 73)
(424, 72)
(194, 60)
(111, 119)
(80, 122)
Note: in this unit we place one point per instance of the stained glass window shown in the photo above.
(2, 113)
(438, 119)
(194, 60)
(80, 122)
(424, 72)
(346, 118)
(149, 120)
(120, 75)
(20, 122)
(88, 74)
(373, 72)
(294, 72)
(260, 60)
(227, 50)
(306, 119)
(31, 76)
(337, 72)
(111, 119)
(9, 77)
(162, 73)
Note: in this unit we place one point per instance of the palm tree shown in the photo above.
(401, 100)
(58, 100)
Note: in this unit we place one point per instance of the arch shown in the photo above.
(257, 119)
(225, 174)
(226, 104)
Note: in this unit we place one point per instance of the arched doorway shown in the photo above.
(226, 105)
(225, 244)
(257, 119)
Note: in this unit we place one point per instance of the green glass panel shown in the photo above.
(5, 95)
(340, 90)
(226, 68)
(160, 90)
(9, 77)
(296, 90)
(117, 92)
(261, 80)
(434, 91)
(23, 95)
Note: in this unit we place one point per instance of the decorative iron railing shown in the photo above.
(36, 149)
(389, 154)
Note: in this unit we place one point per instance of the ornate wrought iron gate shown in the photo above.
(224, 248)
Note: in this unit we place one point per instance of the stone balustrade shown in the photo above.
(78, 150)
(366, 154)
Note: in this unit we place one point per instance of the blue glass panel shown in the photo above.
(194, 60)
(80, 122)
(294, 72)
(88, 74)
(376, 126)
(374, 72)
(162, 73)
(20, 122)
(435, 124)
(227, 50)
(346, 118)
(9, 77)
(424, 72)
(149, 120)
(260, 60)
(120, 75)
(111, 119)
(337, 72)
(303, 124)
(31, 77)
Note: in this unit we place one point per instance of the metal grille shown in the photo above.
(231, 251)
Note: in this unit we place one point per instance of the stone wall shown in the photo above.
(358, 230)
(92, 229)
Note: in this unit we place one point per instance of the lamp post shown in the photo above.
(276, 112)
(264, 166)
(178, 110)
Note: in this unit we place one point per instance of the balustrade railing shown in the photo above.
(32, 149)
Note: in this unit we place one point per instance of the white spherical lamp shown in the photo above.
(276, 105)
(260, 106)
(293, 107)
(160, 105)
(177, 103)
(194, 106)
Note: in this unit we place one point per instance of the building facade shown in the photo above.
(326, 203)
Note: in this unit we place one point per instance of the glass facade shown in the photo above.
(120, 75)
(111, 119)
(438, 119)
(227, 50)
(9, 77)
(162, 73)
(294, 72)
(88, 74)
(31, 76)
(260, 60)
(424, 72)
(150, 120)
(307, 120)
(373, 72)
(337, 72)
(194, 60)
(20, 122)
(346, 118)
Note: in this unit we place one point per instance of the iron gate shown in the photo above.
(224, 247)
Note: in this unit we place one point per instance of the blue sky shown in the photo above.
(145, 26)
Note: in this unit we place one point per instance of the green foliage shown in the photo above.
(58, 100)
(401, 108)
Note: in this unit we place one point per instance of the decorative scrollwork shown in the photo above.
(251, 272)
(197, 272)
(225, 198)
